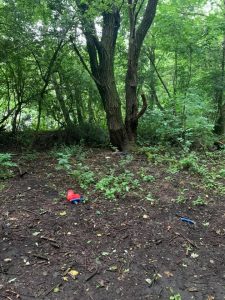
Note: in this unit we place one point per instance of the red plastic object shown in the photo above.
(72, 196)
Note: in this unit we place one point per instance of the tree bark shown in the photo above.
(136, 39)
(101, 57)
(152, 84)
(220, 122)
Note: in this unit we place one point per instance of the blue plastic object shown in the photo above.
(77, 200)
(187, 220)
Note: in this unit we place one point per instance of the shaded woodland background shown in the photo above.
(57, 86)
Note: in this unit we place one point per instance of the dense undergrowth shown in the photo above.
(118, 180)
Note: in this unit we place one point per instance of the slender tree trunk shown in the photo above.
(136, 39)
(220, 122)
(16, 114)
(78, 100)
(152, 84)
(91, 115)
(62, 104)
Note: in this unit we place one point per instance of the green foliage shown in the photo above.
(117, 184)
(181, 199)
(145, 177)
(190, 162)
(199, 202)
(83, 175)
(190, 70)
(222, 173)
(2, 186)
(6, 165)
(175, 297)
(149, 197)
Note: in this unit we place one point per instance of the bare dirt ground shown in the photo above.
(125, 248)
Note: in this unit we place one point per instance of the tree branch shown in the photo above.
(144, 106)
(83, 61)
(146, 22)
(160, 78)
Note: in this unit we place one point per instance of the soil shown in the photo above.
(126, 248)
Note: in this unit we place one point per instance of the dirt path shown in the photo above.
(126, 249)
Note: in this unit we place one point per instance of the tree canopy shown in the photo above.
(138, 69)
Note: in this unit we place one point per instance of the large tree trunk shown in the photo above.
(101, 56)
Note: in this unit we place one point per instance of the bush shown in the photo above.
(6, 165)
(191, 124)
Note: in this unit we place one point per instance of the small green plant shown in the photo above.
(63, 161)
(191, 163)
(150, 199)
(84, 176)
(125, 160)
(175, 297)
(181, 197)
(199, 202)
(145, 177)
(222, 173)
(2, 186)
(6, 165)
(113, 184)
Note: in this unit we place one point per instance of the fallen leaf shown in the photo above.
(65, 278)
(126, 270)
(148, 280)
(56, 289)
(73, 273)
(168, 274)
(194, 255)
(62, 213)
(35, 233)
(113, 268)
(192, 289)
(145, 216)
(7, 259)
(101, 283)
(210, 297)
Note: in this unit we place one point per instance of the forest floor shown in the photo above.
(126, 241)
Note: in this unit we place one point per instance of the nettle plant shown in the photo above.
(6, 165)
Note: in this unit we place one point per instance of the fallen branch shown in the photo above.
(187, 239)
(92, 275)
